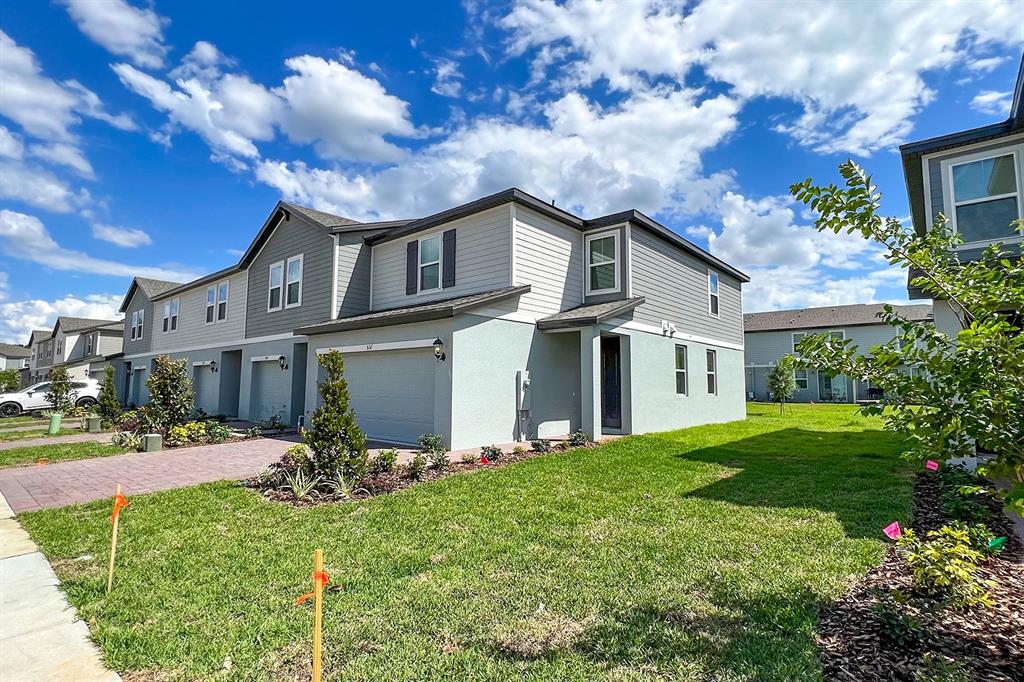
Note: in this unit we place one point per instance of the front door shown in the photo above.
(611, 383)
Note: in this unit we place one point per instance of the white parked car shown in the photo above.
(33, 398)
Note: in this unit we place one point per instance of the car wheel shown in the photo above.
(10, 410)
(86, 403)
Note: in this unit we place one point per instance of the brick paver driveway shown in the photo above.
(64, 483)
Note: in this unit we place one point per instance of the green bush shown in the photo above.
(945, 565)
(9, 380)
(108, 406)
(431, 442)
(416, 469)
(438, 459)
(337, 442)
(900, 622)
(578, 439)
(519, 451)
(541, 445)
(492, 452)
(216, 432)
(384, 462)
(171, 398)
(128, 440)
(62, 395)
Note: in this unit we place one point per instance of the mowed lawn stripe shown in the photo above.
(705, 552)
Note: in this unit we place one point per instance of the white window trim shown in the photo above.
(138, 324)
(718, 278)
(89, 343)
(175, 313)
(207, 318)
(949, 199)
(217, 301)
(806, 378)
(169, 316)
(270, 274)
(439, 236)
(285, 289)
(587, 265)
(794, 341)
(711, 372)
(685, 370)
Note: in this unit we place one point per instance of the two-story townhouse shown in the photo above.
(508, 318)
(770, 336)
(13, 356)
(37, 356)
(77, 345)
(975, 178)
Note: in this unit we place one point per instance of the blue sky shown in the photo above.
(155, 138)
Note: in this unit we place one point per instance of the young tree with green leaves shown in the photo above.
(108, 404)
(337, 442)
(9, 380)
(781, 382)
(172, 399)
(62, 394)
(946, 395)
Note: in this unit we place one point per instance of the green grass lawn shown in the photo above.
(6, 436)
(697, 554)
(20, 421)
(60, 452)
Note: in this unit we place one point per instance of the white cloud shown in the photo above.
(855, 73)
(788, 287)
(447, 78)
(24, 236)
(993, 102)
(126, 237)
(64, 155)
(11, 146)
(122, 29)
(984, 64)
(19, 318)
(36, 186)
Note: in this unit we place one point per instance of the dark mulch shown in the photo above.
(976, 643)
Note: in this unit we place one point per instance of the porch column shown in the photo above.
(590, 381)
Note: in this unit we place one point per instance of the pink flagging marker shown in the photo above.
(931, 465)
(893, 530)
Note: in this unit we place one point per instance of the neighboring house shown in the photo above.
(37, 356)
(13, 356)
(85, 346)
(502, 319)
(772, 335)
(975, 178)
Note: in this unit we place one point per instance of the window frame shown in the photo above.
(616, 263)
(712, 369)
(806, 378)
(89, 344)
(271, 287)
(169, 321)
(684, 369)
(227, 297)
(210, 311)
(286, 282)
(138, 324)
(439, 262)
(717, 295)
(949, 193)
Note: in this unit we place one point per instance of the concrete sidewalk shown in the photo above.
(41, 637)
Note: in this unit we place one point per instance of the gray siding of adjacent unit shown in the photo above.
(291, 238)
(109, 344)
(765, 348)
(548, 257)
(675, 285)
(192, 328)
(139, 301)
(482, 260)
(353, 278)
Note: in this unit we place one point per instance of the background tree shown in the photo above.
(9, 380)
(781, 382)
(109, 407)
(62, 395)
(171, 397)
(337, 442)
(946, 395)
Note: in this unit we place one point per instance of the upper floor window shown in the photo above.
(222, 301)
(713, 294)
(985, 198)
(211, 303)
(60, 347)
(89, 344)
(602, 263)
(430, 263)
(293, 288)
(138, 323)
(170, 321)
(276, 284)
(681, 383)
(33, 353)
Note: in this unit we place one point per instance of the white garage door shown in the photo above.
(392, 393)
(269, 392)
(204, 382)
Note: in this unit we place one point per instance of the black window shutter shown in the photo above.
(411, 265)
(448, 260)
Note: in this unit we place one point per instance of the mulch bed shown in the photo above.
(981, 643)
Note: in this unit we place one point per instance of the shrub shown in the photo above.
(215, 432)
(945, 565)
(578, 439)
(417, 467)
(541, 445)
(519, 451)
(171, 398)
(62, 395)
(275, 423)
(9, 380)
(492, 452)
(384, 462)
(431, 442)
(467, 458)
(129, 440)
(337, 442)
(108, 406)
(344, 488)
(900, 622)
(254, 431)
(301, 484)
(438, 459)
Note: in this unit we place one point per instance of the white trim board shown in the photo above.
(334, 279)
(203, 363)
(266, 358)
(230, 345)
(678, 336)
(370, 347)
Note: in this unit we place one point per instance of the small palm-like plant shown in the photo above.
(344, 488)
(301, 484)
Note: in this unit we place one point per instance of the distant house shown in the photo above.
(85, 346)
(975, 178)
(772, 335)
(13, 356)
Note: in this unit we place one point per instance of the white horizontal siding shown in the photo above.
(353, 276)
(192, 328)
(482, 260)
(109, 344)
(548, 257)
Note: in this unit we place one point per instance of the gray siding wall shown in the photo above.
(192, 328)
(676, 287)
(548, 257)
(109, 344)
(482, 260)
(765, 348)
(292, 238)
(353, 278)
(139, 301)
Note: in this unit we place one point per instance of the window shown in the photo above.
(603, 263)
(800, 377)
(138, 322)
(170, 322)
(712, 372)
(293, 289)
(985, 198)
(89, 342)
(430, 263)
(681, 388)
(222, 301)
(60, 347)
(211, 300)
(276, 283)
(797, 338)
(713, 294)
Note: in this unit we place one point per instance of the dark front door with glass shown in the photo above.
(611, 383)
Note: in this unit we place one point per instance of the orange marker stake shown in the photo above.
(119, 501)
(320, 580)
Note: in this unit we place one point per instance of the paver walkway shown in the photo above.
(64, 483)
(51, 440)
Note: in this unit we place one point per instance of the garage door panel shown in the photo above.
(205, 385)
(268, 392)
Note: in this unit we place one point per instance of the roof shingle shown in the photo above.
(831, 316)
